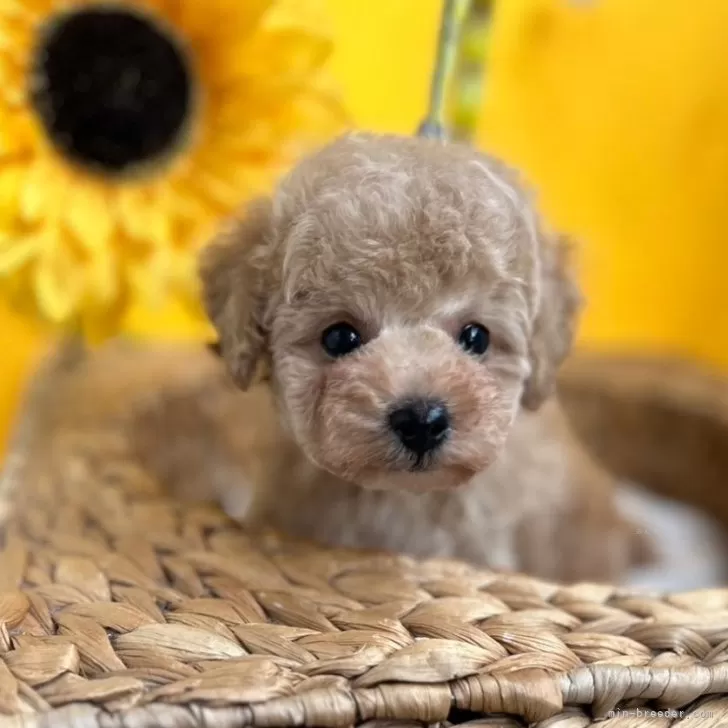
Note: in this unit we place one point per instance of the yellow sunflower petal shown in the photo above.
(11, 78)
(217, 190)
(186, 207)
(34, 192)
(11, 181)
(16, 132)
(38, 191)
(24, 10)
(255, 141)
(57, 280)
(142, 215)
(88, 215)
(183, 270)
(103, 284)
(319, 109)
(146, 275)
(15, 252)
(280, 57)
(214, 20)
(15, 33)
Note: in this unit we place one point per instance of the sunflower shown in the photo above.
(128, 129)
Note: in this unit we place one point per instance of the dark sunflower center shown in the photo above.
(112, 88)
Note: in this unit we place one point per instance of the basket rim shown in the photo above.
(528, 693)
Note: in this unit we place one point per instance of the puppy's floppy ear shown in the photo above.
(555, 324)
(235, 275)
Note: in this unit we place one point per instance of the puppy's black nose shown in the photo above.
(421, 426)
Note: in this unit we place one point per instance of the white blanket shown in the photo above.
(692, 549)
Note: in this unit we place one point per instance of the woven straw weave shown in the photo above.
(120, 607)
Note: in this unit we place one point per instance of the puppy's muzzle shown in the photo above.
(421, 426)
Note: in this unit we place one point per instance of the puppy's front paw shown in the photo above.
(235, 494)
(603, 547)
(183, 441)
(595, 544)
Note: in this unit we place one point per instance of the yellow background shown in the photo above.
(617, 110)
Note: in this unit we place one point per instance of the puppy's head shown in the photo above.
(405, 301)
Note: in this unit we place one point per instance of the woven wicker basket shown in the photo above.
(120, 607)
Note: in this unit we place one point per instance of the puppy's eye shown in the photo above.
(340, 340)
(475, 339)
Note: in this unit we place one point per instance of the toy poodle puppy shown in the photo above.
(411, 315)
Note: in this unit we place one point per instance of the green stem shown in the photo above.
(466, 86)
(433, 125)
